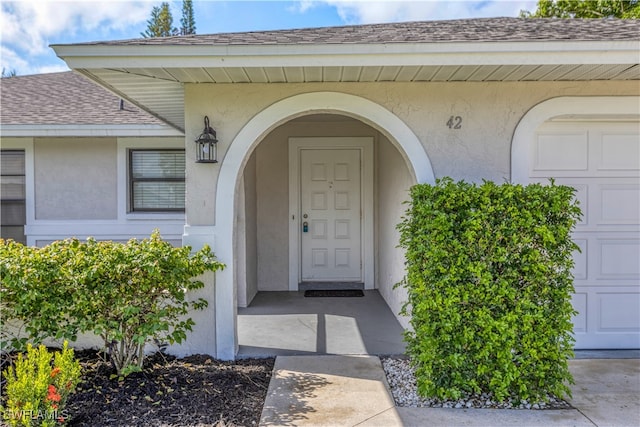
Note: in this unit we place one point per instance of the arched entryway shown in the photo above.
(231, 182)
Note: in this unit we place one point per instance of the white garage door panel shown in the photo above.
(587, 150)
(582, 195)
(579, 301)
(606, 257)
(618, 259)
(580, 259)
(604, 201)
(619, 312)
(602, 162)
(562, 152)
(606, 319)
(619, 152)
(619, 204)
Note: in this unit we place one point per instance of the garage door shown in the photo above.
(602, 161)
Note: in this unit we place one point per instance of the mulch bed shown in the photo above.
(192, 391)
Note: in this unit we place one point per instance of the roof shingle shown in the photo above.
(65, 98)
(459, 30)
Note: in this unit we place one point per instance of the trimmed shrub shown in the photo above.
(129, 294)
(489, 286)
(38, 387)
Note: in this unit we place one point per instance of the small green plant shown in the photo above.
(129, 294)
(489, 287)
(38, 387)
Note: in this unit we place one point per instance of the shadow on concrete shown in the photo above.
(329, 390)
(292, 391)
(287, 323)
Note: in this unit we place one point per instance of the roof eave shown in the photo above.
(51, 130)
(399, 54)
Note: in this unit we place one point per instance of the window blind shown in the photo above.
(157, 180)
(12, 195)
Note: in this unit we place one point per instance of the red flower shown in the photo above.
(55, 372)
(52, 394)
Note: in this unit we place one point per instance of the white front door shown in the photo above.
(330, 205)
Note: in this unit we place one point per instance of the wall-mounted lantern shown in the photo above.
(207, 144)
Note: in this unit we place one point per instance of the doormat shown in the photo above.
(333, 293)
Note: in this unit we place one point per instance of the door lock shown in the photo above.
(305, 227)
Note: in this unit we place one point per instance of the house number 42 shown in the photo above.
(454, 122)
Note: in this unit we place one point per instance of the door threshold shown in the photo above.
(316, 286)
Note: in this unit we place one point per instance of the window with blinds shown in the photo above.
(12, 195)
(157, 180)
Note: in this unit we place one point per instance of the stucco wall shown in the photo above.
(75, 178)
(480, 149)
(393, 181)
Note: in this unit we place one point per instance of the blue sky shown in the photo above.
(28, 27)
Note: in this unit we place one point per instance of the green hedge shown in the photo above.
(489, 286)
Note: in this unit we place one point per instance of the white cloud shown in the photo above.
(12, 61)
(28, 27)
(365, 12)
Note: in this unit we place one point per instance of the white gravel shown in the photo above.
(402, 381)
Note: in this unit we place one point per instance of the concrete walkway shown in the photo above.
(328, 391)
(342, 390)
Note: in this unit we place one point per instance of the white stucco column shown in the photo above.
(202, 340)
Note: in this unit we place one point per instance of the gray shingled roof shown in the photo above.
(64, 99)
(460, 30)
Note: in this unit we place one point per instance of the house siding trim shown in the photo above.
(49, 130)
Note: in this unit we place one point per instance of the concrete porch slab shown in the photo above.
(288, 323)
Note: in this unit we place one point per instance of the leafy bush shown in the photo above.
(489, 288)
(36, 391)
(128, 294)
(34, 295)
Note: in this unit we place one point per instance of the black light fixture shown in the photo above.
(207, 144)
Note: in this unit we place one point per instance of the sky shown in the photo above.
(29, 27)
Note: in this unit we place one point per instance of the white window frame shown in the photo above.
(132, 180)
(124, 146)
(26, 145)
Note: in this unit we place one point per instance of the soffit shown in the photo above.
(160, 91)
(152, 72)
